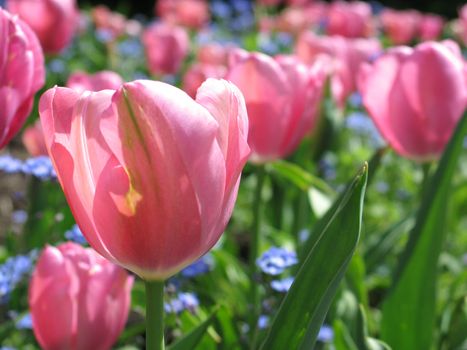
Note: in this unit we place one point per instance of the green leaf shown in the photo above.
(191, 340)
(302, 311)
(342, 339)
(298, 176)
(409, 310)
(363, 341)
(374, 163)
(380, 245)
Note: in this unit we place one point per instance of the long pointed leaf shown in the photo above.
(304, 308)
(191, 340)
(409, 310)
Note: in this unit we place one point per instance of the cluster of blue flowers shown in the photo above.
(40, 167)
(273, 44)
(75, 235)
(183, 301)
(199, 267)
(131, 48)
(24, 321)
(12, 272)
(237, 15)
(283, 285)
(325, 335)
(275, 260)
(362, 124)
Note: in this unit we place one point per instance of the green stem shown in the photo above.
(154, 315)
(425, 178)
(300, 215)
(254, 252)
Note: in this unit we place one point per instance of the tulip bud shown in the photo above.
(401, 26)
(282, 97)
(349, 19)
(53, 21)
(166, 47)
(21, 77)
(416, 96)
(150, 174)
(33, 140)
(193, 14)
(103, 80)
(78, 300)
(198, 73)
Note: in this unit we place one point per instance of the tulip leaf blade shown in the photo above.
(191, 340)
(307, 302)
(299, 176)
(410, 306)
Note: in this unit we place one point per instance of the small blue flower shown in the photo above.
(242, 6)
(24, 322)
(57, 66)
(199, 267)
(220, 9)
(40, 167)
(326, 334)
(9, 164)
(267, 45)
(19, 216)
(355, 100)
(74, 234)
(327, 166)
(104, 35)
(140, 75)
(375, 56)
(169, 79)
(12, 271)
(130, 48)
(282, 286)
(241, 23)
(284, 39)
(303, 235)
(183, 301)
(382, 187)
(263, 321)
(363, 125)
(275, 260)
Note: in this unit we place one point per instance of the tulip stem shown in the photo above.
(154, 315)
(254, 252)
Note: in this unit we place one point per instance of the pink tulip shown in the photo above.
(33, 140)
(213, 54)
(78, 300)
(346, 57)
(193, 14)
(431, 27)
(282, 97)
(292, 20)
(416, 96)
(166, 47)
(103, 80)
(266, 24)
(349, 19)
(112, 22)
(21, 77)
(198, 73)
(150, 174)
(53, 21)
(401, 26)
